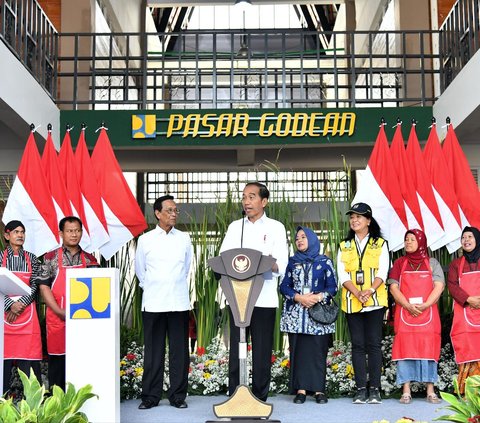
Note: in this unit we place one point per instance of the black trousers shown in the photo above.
(24, 366)
(366, 336)
(56, 371)
(156, 328)
(261, 332)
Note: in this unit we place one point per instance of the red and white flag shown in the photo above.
(54, 180)
(443, 189)
(125, 220)
(379, 189)
(30, 201)
(465, 186)
(432, 221)
(66, 161)
(92, 200)
(405, 181)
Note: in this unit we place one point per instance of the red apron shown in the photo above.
(416, 338)
(23, 339)
(55, 325)
(466, 320)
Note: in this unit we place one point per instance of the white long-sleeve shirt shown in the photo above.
(162, 265)
(268, 236)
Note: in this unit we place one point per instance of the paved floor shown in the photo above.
(339, 410)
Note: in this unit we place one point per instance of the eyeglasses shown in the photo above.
(172, 211)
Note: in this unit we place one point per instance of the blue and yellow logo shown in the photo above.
(90, 298)
(144, 126)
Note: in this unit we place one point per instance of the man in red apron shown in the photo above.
(52, 287)
(23, 343)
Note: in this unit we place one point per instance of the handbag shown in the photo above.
(324, 312)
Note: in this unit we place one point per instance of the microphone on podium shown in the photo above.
(243, 224)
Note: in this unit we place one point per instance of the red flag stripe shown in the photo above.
(55, 182)
(121, 208)
(407, 186)
(31, 174)
(463, 181)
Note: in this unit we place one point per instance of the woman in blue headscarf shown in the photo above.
(309, 278)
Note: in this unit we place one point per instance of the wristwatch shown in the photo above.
(372, 289)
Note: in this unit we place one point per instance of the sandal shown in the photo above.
(433, 399)
(405, 399)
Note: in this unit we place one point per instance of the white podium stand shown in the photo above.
(93, 339)
(10, 284)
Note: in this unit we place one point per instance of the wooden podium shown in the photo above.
(241, 271)
(10, 284)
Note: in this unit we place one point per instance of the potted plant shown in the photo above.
(466, 409)
(59, 407)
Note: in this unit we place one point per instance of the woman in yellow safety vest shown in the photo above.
(362, 264)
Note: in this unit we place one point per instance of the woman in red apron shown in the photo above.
(416, 283)
(23, 344)
(464, 285)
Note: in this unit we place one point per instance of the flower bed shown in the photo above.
(208, 372)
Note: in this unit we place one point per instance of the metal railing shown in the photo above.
(32, 38)
(235, 69)
(240, 69)
(209, 187)
(459, 38)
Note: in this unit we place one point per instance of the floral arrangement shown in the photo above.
(340, 375)
(208, 372)
(131, 371)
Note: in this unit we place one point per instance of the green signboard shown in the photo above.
(245, 127)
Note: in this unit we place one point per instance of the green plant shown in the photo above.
(60, 407)
(127, 336)
(205, 284)
(466, 409)
(130, 292)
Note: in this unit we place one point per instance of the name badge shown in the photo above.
(360, 277)
(306, 289)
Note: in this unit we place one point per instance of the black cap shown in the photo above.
(360, 208)
(13, 224)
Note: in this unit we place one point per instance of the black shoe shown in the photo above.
(146, 404)
(374, 397)
(321, 398)
(361, 396)
(299, 398)
(178, 403)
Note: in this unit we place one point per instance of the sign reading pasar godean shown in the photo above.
(236, 127)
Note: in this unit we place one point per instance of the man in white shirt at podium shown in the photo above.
(257, 231)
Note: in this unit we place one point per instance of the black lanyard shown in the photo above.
(360, 253)
(306, 270)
